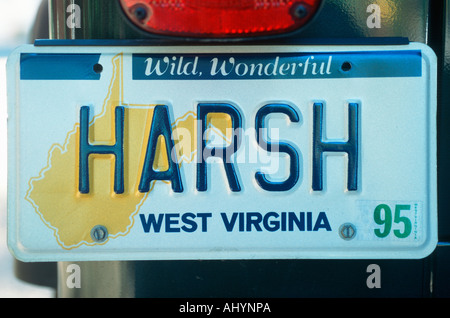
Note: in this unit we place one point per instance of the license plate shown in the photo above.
(221, 152)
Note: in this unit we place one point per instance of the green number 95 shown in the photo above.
(383, 216)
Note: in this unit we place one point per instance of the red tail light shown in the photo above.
(220, 18)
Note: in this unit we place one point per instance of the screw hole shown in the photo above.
(346, 66)
(98, 68)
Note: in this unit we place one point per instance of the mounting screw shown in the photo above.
(300, 11)
(347, 231)
(140, 13)
(99, 233)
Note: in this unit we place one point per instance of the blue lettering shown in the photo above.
(202, 112)
(172, 219)
(229, 224)
(188, 219)
(308, 221)
(160, 127)
(174, 222)
(273, 221)
(271, 225)
(254, 218)
(322, 222)
(300, 221)
(151, 221)
(86, 149)
(241, 221)
(204, 217)
(294, 169)
(350, 147)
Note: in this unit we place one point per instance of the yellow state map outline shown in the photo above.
(72, 216)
